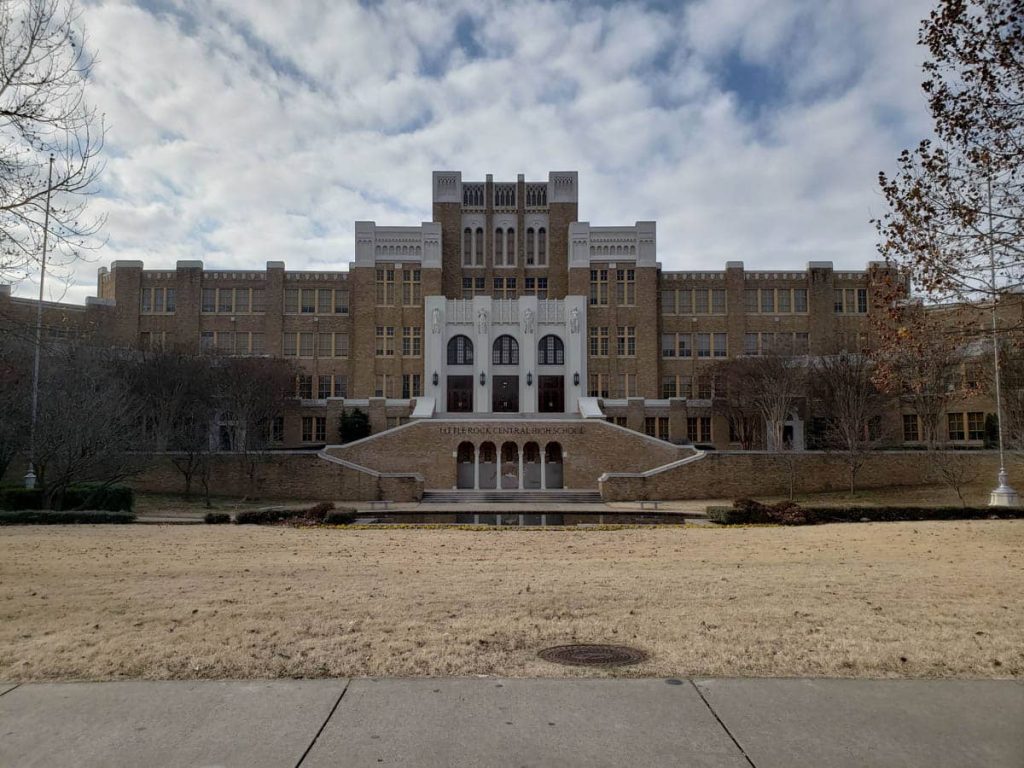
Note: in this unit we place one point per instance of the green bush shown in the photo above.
(111, 498)
(15, 498)
(216, 518)
(269, 515)
(750, 512)
(36, 517)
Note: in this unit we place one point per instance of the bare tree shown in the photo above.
(44, 66)
(15, 388)
(732, 400)
(777, 386)
(252, 392)
(853, 408)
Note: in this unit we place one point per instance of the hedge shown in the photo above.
(316, 514)
(93, 496)
(216, 518)
(36, 517)
(749, 512)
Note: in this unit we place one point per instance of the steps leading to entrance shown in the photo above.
(512, 497)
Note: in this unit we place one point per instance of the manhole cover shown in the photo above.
(593, 655)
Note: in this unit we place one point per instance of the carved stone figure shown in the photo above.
(574, 320)
(528, 321)
(481, 320)
(435, 319)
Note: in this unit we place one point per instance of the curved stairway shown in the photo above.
(512, 497)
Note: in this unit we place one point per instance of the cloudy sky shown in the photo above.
(242, 131)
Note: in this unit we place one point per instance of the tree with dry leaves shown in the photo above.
(44, 67)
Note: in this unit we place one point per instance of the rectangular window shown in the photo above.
(685, 302)
(911, 433)
(147, 300)
(259, 344)
(225, 299)
(225, 341)
(382, 385)
(718, 301)
(536, 286)
(626, 385)
(685, 345)
(625, 287)
(291, 301)
(324, 345)
(209, 299)
(385, 287)
(306, 344)
(700, 301)
(307, 429)
(703, 345)
(341, 345)
(649, 426)
(955, 424)
(850, 305)
(385, 341)
(862, 300)
(597, 385)
(625, 345)
(304, 386)
(838, 301)
(340, 386)
(242, 343)
(750, 300)
(668, 345)
(785, 305)
(158, 299)
(721, 341)
(307, 301)
(171, 303)
(705, 388)
(799, 299)
(411, 385)
(324, 301)
(975, 426)
(412, 341)
(473, 286)
(750, 344)
(599, 287)
(668, 387)
(277, 429)
(323, 387)
(663, 433)
(698, 429)
(668, 302)
(767, 301)
(341, 301)
(289, 345)
(242, 300)
(599, 341)
(411, 287)
(259, 300)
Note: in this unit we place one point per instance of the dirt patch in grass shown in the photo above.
(939, 599)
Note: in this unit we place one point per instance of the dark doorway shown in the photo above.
(505, 397)
(551, 394)
(460, 394)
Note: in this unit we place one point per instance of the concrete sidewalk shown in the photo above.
(482, 722)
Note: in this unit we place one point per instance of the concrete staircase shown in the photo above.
(512, 497)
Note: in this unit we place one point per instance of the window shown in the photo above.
(460, 351)
(838, 300)
(599, 341)
(478, 246)
(323, 388)
(551, 351)
(411, 385)
(340, 386)
(862, 300)
(625, 343)
(668, 345)
(626, 385)
(703, 345)
(385, 286)
(242, 300)
(656, 426)
(536, 286)
(411, 287)
(700, 301)
(499, 244)
(785, 300)
(259, 344)
(911, 433)
(324, 345)
(341, 345)
(668, 302)
(259, 300)
(705, 388)
(510, 246)
(504, 287)
(685, 345)
(467, 246)
(750, 344)
(505, 351)
(597, 385)
(340, 301)
(314, 429)
(473, 286)
(384, 385)
(209, 300)
(599, 287)
(698, 429)
(668, 387)
(289, 347)
(721, 345)
(685, 302)
(156, 301)
(324, 302)
(649, 426)
(305, 345)
(625, 287)
(304, 387)
(799, 299)
(975, 426)
(718, 301)
(277, 429)
(750, 300)
(307, 301)
(955, 424)
(530, 257)
(291, 301)
(767, 301)
(542, 246)
(412, 341)
(385, 341)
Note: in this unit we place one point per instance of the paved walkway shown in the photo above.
(483, 722)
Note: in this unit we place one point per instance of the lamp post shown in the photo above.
(1004, 495)
(30, 476)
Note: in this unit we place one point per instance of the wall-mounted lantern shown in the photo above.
(576, 379)
(529, 379)
(483, 379)
(435, 378)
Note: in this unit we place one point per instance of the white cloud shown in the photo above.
(241, 131)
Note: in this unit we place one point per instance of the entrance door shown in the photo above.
(460, 394)
(551, 394)
(505, 397)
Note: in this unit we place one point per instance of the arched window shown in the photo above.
(467, 246)
(460, 351)
(479, 247)
(499, 243)
(550, 351)
(510, 246)
(505, 351)
(465, 453)
(529, 246)
(542, 246)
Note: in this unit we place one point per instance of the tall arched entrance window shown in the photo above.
(553, 475)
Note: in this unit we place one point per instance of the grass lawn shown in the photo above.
(932, 599)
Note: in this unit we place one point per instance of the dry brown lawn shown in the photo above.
(943, 599)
